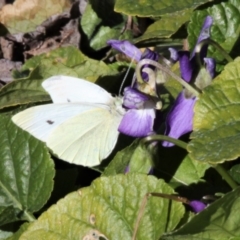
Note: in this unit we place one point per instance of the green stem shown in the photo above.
(161, 43)
(29, 216)
(219, 168)
(96, 169)
(165, 69)
(215, 45)
(154, 138)
(225, 175)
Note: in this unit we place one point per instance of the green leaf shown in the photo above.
(218, 221)
(180, 170)
(136, 157)
(235, 173)
(224, 30)
(216, 127)
(26, 15)
(8, 213)
(166, 26)
(20, 231)
(141, 160)
(109, 208)
(5, 235)
(189, 171)
(172, 85)
(26, 173)
(169, 89)
(154, 8)
(100, 23)
(68, 61)
(23, 91)
(120, 161)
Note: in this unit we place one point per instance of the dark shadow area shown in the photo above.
(210, 4)
(235, 52)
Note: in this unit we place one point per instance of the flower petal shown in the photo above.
(210, 66)
(197, 206)
(133, 99)
(137, 123)
(173, 54)
(186, 66)
(127, 48)
(205, 31)
(149, 54)
(152, 55)
(127, 169)
(179, 119)
(204, 34)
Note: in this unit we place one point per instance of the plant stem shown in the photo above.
(29, 216)
(216, 46)
(161, 43)
(225, 175)
(96, 169)
(164, 138)
(165, 69)
(219, 168)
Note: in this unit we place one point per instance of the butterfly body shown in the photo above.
(80, 126)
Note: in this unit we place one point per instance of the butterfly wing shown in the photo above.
(87, 138)
(80, 126)
(63, 89)
(41, 120)
(70, 95)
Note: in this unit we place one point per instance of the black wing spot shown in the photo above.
(50, 122)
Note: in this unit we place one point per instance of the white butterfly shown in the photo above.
(80, 126)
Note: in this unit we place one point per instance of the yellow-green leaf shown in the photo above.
(154, 8)
(109, 209)
(216, 128)
(166, 26)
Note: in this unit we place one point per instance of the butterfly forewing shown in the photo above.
(63, 89)
(40, 121)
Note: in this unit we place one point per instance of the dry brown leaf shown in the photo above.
(25, 15)
(6, 68)
(56, 31)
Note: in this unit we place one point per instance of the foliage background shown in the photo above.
(42, 197)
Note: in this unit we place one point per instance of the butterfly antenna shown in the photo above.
(125, 77)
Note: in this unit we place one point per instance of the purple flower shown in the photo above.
(173, 55)
(133, 52)
(197, 206)
(127, 169)
(210, 65)
(179, 118)
(139, 119)
(127, 48)
(204, 34)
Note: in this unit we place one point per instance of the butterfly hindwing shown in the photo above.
(86, 139)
